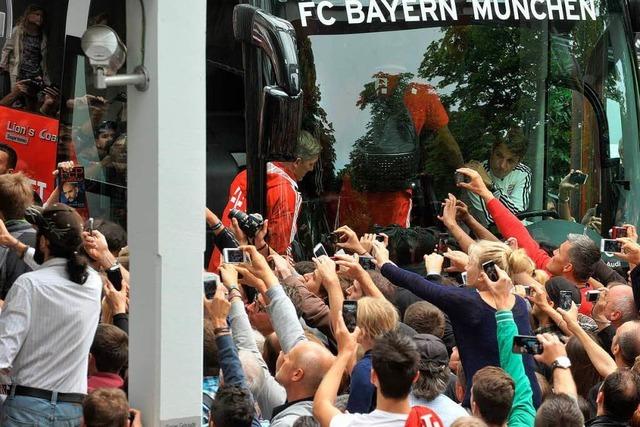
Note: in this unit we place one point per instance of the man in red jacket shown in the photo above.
(574, 260)
(283, 198)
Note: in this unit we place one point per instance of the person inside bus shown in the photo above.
(505, 176)
(24, 54)
(283, 198)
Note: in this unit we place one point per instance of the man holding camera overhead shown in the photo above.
(283, 198)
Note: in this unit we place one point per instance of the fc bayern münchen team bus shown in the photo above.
(400, 92)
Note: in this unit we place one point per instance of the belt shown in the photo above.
(48, 395)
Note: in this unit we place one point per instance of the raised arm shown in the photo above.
(553, 349)
(217, 310)
(324, 409)
(599, 357)
(507, 223)
(522, 411)
(350, 268)
(281, 310)
(448, 299)
(449, 219)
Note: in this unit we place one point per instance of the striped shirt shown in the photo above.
(47, 327)
(513, 191)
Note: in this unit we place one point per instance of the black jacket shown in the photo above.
(605, 421)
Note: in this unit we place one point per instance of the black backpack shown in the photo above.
(387, 157)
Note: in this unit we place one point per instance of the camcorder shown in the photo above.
(249, 223)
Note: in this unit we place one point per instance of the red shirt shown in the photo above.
(104, 380)
(283, 207)
(510, 226)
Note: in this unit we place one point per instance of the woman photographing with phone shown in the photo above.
(471, 309)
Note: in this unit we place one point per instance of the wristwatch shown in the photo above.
(562, 362)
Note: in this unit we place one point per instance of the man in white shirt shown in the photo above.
(48, 324)
(508, 179)
(394, 360)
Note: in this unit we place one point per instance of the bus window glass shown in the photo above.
(93, 124)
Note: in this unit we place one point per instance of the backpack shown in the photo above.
(387, 157)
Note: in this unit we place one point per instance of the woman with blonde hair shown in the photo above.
(472, 309)
(374, 317)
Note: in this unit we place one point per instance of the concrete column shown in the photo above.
(166, 199)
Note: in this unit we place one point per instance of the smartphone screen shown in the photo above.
(525, 344)
(233, 256)
(610, 246)
(618, 232)
(367, 262)
(210, 283)
(489, 268)
(566, 299)
(115, 277)
(350, 314)
(319, 251)
(578, 178)
(592, 296)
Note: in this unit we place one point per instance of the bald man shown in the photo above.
(626, 344)
(615, 306)
(301, 364)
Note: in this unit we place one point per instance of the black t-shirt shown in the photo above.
(30, 63)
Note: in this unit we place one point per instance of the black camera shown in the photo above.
(35, 86)
(249, 223)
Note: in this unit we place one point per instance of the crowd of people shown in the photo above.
(497, 331)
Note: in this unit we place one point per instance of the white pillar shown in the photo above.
(166, 143)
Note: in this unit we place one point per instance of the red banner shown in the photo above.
(35, 139)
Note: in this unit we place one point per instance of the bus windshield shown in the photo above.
(400, 106)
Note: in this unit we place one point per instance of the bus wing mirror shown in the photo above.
(280, 121)
(276, 38)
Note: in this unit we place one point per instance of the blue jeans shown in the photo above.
(25, 411)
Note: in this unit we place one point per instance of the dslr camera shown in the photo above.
(249, 223)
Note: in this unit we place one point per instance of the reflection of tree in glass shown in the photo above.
(314, 120)
(488, 81)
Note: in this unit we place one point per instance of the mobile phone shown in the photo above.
(566, 298)
(319, 250)
(350, 314)
(610, 246)
(367, 262)
(441, 209)
(210, 284)
(90, 224)
(460, 177)
(526, 344)
(527, 290)
(489, 268)
(380, 238)
(592, 296)
(115, 277)
(618, 232)
(578, 178)
(463, 277)
(234, 256)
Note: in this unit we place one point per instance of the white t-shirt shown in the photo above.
(374, 419)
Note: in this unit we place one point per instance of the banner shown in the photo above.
(35, 140)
